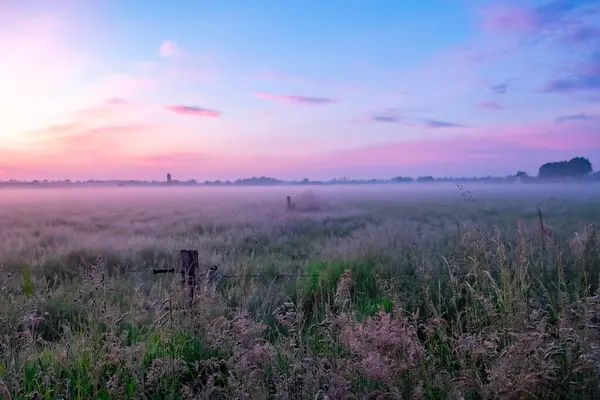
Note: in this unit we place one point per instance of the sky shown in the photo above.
(132, 89)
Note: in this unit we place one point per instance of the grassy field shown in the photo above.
(409, 292)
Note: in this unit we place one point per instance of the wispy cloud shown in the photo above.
(576, 83)
(105, 109)
(386, 118)
(397, 116)
(57, 130)
(169, 49)
(293, 98)
(585, 76)
(116, 101)
(80, 151)
(432, 123)
(503, 87)
(490, 105)
(509, 18)
(583, 34)
(578, 117)
(502, 144)
(533, 19)
(115, 88)
(82, 145)
(196, 111)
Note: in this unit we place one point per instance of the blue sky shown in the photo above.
(220, 90)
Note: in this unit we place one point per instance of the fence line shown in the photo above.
(227, 276)
(192, 276)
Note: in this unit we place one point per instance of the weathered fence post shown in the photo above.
(189, 264)
(290, 206)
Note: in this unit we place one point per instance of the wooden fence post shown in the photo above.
(189, 264)
(290, 206)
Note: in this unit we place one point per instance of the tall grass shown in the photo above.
(397, 300)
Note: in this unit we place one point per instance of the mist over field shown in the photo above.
(419, 290)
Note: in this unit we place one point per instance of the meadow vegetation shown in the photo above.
(403, 292)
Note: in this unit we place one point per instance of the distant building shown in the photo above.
(520, 177)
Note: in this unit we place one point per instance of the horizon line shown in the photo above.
(266, 180)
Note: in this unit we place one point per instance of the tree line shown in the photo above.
(575, 168)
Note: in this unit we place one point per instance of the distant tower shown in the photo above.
(168, 179)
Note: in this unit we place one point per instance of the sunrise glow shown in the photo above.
(221, 90)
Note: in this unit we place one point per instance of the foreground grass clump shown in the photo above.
(392, 301)
(341, 285)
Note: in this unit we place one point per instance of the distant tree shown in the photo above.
(577, 167)
(263, 180)
(425, 179)
(403, 179)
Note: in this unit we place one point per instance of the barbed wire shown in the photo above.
(214, 275)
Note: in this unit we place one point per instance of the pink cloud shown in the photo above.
(83, 151)
(103, 141)
(490, 105)
(90, 138)
(581, 137)
(169, 49)
(64, 151)
(197, 111)
(510, 18)
(115, 101)
(293, 98)
(507, 146)
(554, 17)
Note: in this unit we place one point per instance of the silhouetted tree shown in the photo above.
(577, 167)
(263, 180)
(403, 179)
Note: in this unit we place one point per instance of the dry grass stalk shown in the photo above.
(344, 289)
(4, 392)
(386, 345)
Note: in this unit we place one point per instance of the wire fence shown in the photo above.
(191, 268)
(266, 276)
